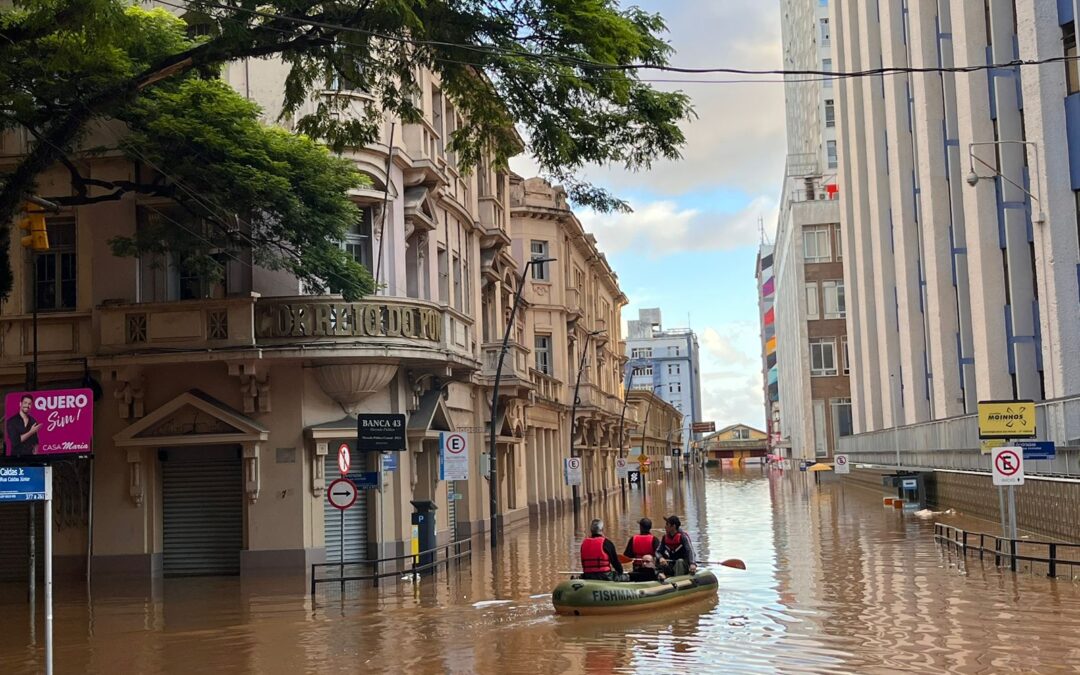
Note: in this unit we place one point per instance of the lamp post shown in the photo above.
(493, 476)
(573, 408)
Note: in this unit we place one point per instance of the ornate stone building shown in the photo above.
(224, 403)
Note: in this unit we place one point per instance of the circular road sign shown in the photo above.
(841, 459)
(573, 462)
(344, 459)
(1007, 462)
(341, 493)
(620, 462)
(455, 444)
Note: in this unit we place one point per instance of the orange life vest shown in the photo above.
(593, 558)
(642, 545)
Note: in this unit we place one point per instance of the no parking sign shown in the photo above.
(453, 456)
(573, 471)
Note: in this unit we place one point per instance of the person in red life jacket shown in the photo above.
(599, 559)
(676, 552)
(642, 548)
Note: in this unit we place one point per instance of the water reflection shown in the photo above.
(834, 583)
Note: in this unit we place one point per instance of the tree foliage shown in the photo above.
(563, 72)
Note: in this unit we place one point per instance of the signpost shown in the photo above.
(1006, 419)
(366, 480)
(841, 465)
(1034, 450)
(344, 459)
(1008, 466)
(341, 494)
(703, 427)
(453, 456)
(49, 423)
(34, 484)
(621, 470)
(572, 470)
(380, 432)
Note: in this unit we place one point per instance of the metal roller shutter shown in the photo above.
(203, 512)
(355, 518)
(14, 542)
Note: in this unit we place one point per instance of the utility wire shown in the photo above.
(628, 67)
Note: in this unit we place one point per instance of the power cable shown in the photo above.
(595, 65)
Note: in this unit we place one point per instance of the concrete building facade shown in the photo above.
(223, 404)
(808, 308)
(666, 361)
(959, 212)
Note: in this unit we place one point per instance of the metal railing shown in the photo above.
(953, 443)
(442, 555)
(1050, 555)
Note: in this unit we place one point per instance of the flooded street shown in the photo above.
(834, 583)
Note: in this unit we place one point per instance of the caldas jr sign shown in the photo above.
(48, 423)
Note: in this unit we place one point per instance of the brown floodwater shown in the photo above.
(834, 583)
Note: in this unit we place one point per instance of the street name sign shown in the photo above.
(341, 494)
(1034, 450)
(572, 469)
(380, 432)
(25, 484)
(1008, 466)
(1006, 419)
(703, 427)
(841, 464)
(453, 456)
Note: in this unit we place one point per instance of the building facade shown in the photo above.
(223, 404)
(666, 362)
(573, 332)
(736, 444)
(770, 385)
(655, 430)
(959, 213)
(809, 308)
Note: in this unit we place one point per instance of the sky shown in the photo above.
(690, 244)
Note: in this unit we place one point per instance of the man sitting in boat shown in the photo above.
(676, 553)
(599, 559)
(641, 546)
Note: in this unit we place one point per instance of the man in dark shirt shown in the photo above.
(676, 553)
(22, 430)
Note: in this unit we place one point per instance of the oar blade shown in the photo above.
(735, 563)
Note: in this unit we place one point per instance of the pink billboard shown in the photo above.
(48, 423)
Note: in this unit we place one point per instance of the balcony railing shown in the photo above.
(60, 335)
(186, 323)
(547, 387)
(492, 214)
(516, 363)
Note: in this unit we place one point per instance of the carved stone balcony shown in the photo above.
(515, 372)
(547, 388)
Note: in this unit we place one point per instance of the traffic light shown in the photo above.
(37, 236)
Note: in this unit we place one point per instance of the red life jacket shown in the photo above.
(593, 558)
(642, 545)
(673, 544)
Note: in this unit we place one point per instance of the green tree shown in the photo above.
(565, 72)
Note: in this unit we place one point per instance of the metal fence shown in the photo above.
(954, 443)
(1023, 555)
(402, 565)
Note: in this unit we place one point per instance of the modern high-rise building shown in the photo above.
(805, 364)
(665, 361)
(959, 207)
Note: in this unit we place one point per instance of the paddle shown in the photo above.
(730, 562)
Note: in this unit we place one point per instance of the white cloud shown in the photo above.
(662, 227)
(738, 137)
(731, 389)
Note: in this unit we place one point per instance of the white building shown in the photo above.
(814, 407)
(665, 361)
(955, 295)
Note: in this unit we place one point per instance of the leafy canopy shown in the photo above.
(564, 72)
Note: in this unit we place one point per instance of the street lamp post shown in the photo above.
(573, 409)
(493, 477)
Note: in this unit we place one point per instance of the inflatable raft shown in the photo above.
(577, 597)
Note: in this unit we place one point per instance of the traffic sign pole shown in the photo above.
(48, 573)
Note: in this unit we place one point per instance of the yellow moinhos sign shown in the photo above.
(1006, 419)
